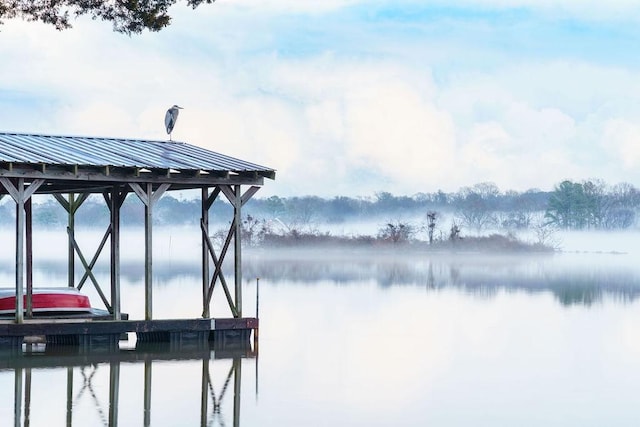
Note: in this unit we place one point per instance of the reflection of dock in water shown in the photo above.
(86, 364)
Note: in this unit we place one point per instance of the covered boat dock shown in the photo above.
(73, 168)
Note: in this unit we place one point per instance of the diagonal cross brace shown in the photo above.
(231, 197)
(217, 401)
(149, 199)
(88, 270)
(218, 264)
(19, 195)
(120, 198)
(71, 206)
(95, 257)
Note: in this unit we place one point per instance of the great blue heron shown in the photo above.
(170, 118)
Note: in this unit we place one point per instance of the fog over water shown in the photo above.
(362, 337)
(589, 265)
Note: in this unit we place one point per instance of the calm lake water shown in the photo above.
(353, 339)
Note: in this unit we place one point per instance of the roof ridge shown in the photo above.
(43, 135)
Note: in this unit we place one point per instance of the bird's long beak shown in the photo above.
(179, 107)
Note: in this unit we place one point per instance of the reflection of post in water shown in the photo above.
(27, 395)
(17, 397)
(89, 364)
(69, 396)
(87, 387)
(114, 392)
(147, 393)
(235, 374)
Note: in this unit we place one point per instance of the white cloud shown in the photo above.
(623, 138)
(402, 133)
(331, 121)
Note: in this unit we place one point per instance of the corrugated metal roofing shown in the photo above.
(117, 152)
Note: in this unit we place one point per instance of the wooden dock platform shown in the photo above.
(106, 333)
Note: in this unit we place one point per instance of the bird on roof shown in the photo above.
(170, 118)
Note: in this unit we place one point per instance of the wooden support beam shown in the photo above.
(71, 206)
(115, 201)
(148, 198)
(155, 196)
(229, 194)
(62, 201)
(218, 269)
(212, 198)
(206, 203)
(91, 174)
(19, 314)
(237, 199)
(71, 260)
(204, 221)
(148, 254)
(249, 194)
(88, 271)
(11, 189)
(20, 195)
(29, 247)
(95, 256)
(238, 249)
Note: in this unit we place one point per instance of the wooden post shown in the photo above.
(205, 253)
(29, 247)
(71, 224)
(19, 314)
(148, 254)
(20, 195)
(115, 251)
(71, 206)
(149, 198)
(237, 209)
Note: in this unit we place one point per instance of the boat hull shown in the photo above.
(47, 300)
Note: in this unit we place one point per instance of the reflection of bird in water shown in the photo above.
(170, 118)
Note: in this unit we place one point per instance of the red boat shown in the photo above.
(47, 300)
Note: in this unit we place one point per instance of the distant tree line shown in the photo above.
(590, 204)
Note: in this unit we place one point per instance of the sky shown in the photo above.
(353, 97)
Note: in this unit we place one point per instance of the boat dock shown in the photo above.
(70, 169)
(90, 334)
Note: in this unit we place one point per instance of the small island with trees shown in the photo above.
(477, 218)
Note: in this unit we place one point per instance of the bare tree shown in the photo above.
(431, 224)
(454, 233)
(475, 205)
(396, 232)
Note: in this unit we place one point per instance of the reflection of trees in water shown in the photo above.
(583, 285)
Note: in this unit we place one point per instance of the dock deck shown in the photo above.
(100, 333)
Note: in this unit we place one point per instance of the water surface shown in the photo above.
(364, 339)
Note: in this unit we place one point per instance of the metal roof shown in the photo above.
(118, 152)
